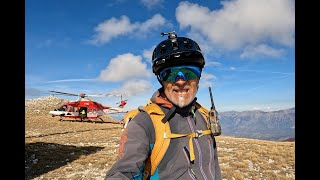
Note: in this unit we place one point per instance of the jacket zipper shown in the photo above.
(198, 148)
(190, 170)
(211, 157)
(193, 175)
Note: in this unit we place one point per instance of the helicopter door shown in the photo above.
(83, 112)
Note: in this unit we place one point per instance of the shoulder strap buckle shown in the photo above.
(198, 133)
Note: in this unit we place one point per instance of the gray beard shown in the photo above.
(182, 102)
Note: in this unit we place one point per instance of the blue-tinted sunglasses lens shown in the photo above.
(187, 73)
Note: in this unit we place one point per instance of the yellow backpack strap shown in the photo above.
(163, 135)
(204, 112)
(149, 102)
(196, 134)
(161, 144)
(130, 115)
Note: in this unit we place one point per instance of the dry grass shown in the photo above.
(69, 150)
(80, 150)
(242, 158)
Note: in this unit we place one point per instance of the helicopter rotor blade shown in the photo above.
(103, 95)
(87, 95)
(63, 93)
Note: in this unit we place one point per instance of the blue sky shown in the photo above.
(92, 47)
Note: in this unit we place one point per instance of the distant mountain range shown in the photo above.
(275, 125)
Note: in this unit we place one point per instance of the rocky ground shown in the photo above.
(82, 150)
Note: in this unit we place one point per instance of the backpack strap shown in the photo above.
(161, 144)
(130, 115)
(163, 135)
(196, 134)
(205, 114)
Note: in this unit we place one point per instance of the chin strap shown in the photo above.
(160, 81)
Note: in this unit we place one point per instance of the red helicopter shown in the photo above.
(84, 109)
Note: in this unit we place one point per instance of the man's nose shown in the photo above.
(180, 81)
(180, 75)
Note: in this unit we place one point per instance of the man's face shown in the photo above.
(181, 92)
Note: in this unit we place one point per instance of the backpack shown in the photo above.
(163, 134)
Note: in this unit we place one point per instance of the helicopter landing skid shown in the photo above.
(61, 119)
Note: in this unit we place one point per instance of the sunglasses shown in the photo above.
(173, 74)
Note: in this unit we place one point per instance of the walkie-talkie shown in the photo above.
(214, 122)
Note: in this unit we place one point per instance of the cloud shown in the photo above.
(151, 3)
(147, 54)
(112, 28)
(212, 63)
(154, 23)
(46, 43)
(90, 66)
(115, 3)
(70, 80)
(262, 107)
(54, 43)
(240, 23)
(206, 80)
(130, 88)
(124, 67)
(257, 71)
(261, 50)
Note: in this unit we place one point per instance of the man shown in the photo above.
(82, 114)
(177, 63)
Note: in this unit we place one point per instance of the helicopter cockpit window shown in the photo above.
(63, 108)
(71, 109)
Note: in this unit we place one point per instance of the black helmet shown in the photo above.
(176, 51)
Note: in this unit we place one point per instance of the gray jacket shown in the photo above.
(139, 135)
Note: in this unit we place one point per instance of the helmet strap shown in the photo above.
(159, 81)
